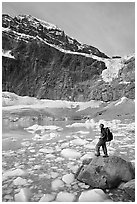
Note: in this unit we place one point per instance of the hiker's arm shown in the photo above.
(102, 136)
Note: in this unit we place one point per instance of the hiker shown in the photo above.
(102, 142)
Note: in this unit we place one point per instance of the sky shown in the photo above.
(108, 26)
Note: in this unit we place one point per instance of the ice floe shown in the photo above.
(94, 195)
(23, 195)
(73, 168)
(47, 198)
(82, 132)
(70, 153)
(19, 181)
(65, 197)
(78, 142)
(68, 178)
(56, 184)
(59, 159)
(36, 127)
(54, 174)
(46, 150)
(16, 172)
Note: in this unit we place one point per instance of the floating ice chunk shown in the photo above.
(52, 127)
(23, 195)
(45, 150)
(56, 184)
(95, 195)
(76, 125)
(78, 142)
(68, 178)
(64, 145)
(19, 181)
(73, 168)
(65, 197)
(33, 127)
(27, 143)
(54, 174)
(37, 167)
(17, 172)
(50, 156)
(59, 159)
(47, 198)
(44, 127)
(70, 153)
(83, 132)
(87, 125)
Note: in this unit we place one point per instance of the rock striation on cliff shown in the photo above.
(40, 60)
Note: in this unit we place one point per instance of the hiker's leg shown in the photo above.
(104, 149)
(97, 148)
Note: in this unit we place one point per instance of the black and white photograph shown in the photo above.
(68, 101)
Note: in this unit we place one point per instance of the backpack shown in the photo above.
(109, 135)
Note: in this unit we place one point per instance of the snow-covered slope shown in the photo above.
(27, 25)
(91, 109)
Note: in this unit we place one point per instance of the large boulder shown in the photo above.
(106, 173)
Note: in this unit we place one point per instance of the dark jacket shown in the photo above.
(103, 134)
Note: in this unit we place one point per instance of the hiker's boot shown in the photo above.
(97, 154)
(106, 155)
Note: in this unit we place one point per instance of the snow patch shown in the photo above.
(7, 53)
(122, 100)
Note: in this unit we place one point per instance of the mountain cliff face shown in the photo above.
(40, 60)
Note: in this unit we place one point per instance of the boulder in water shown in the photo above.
(106, 173)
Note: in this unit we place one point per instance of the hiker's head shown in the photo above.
(101, 126)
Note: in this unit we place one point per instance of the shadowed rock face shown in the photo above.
(38, 67)
(129, 188)
(106, 172)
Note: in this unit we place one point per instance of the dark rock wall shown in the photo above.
(42, 71)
